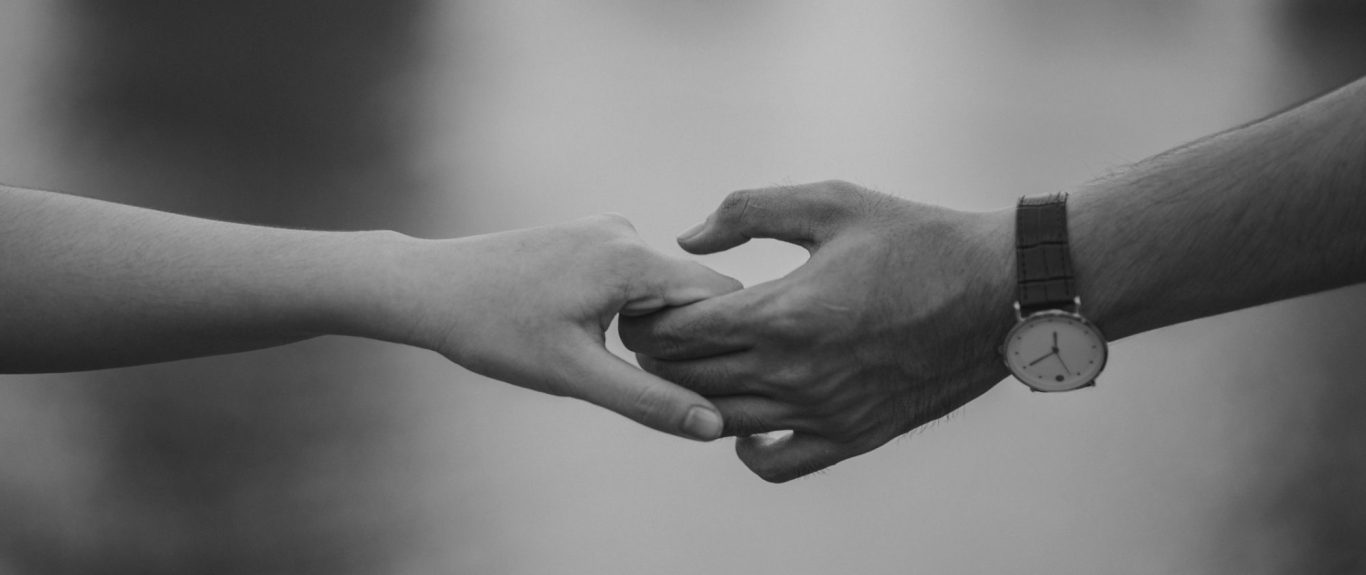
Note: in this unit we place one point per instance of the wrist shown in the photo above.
(970, 304)
(996, 240)
(374, 287)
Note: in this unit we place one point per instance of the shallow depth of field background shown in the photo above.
(1229, 445)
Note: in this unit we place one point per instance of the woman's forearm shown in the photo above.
(87, 284)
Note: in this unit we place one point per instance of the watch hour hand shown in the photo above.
(1048, 355)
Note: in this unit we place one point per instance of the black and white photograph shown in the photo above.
(682, 287)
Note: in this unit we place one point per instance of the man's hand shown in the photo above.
(892, 322)
(530, 307)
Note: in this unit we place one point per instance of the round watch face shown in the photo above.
(1054, 351)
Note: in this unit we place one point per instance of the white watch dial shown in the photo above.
(1055, 351)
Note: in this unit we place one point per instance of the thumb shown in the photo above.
(608, 381)
(805, 215)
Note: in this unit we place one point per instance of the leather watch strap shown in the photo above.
(1043, 263)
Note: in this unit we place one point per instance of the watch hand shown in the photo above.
(1064, 364)
(1050, 354)
(1055, 342)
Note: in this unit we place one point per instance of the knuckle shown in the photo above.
(876, 204)
(839, 186)
(793, 379)
(604, 229)
(849, 198)
(838, 195)
(735, 205)
(796, 315)
(613, 220)
(627, 250)
(593, 236)
(625, 258)
(674, 339)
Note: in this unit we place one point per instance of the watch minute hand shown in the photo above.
(1064, 364)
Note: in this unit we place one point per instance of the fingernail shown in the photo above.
(702, 423)
(690, 232)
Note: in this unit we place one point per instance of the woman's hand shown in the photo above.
(530, 307)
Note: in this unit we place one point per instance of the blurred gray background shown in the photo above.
(1230, 445)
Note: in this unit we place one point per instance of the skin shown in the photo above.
(896, 318)
(91, 284)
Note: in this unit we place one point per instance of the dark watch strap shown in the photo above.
(1043, 263)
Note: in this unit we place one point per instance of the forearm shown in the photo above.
(88, 284)
(1264, 212)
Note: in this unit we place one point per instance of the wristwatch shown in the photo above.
(1051, 347)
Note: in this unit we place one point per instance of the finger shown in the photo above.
(745, 415)
(710, 327)
(728, 374)
(805, 215)
(778, 460)
(670, 282)
(606, 380)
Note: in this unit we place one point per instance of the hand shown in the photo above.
(530, 307)
(893, 322)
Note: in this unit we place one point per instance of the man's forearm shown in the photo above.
(1264, 212)
(87, 284)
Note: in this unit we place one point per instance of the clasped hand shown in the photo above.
(891, 323)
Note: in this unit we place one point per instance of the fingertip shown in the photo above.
(647, 399)
(702, 423)
(733, 285)
(709, 237)
(711, 240)
(758, 452)
(690, 247)
(689, 233)
(781, 458)
(716, 282)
